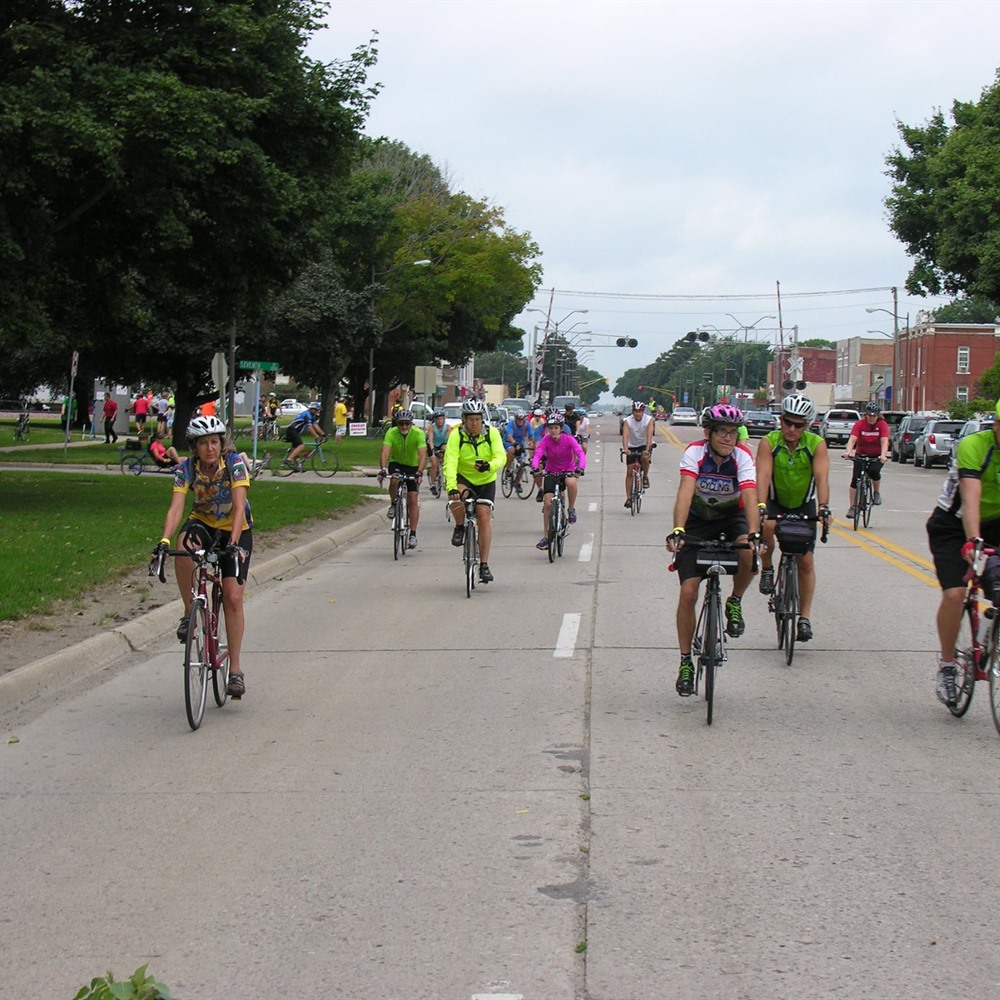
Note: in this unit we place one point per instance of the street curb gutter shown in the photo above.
(78, 662)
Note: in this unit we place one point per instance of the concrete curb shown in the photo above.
(83, 659)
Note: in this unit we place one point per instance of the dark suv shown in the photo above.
(903, 437)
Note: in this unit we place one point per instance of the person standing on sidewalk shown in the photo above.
(110, 411)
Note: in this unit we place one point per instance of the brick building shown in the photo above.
(939, 362)
(819, 370)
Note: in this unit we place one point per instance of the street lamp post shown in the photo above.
(549, 328)
(896, 367)
(746, 332)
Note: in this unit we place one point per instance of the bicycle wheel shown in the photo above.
(524, 484)
(866, 512)
(220, 675)
(780, 620)
(858, 500)
(195, 665)
(281, 469)
(965, 679)
(791, 609)
(507, 482)
(712, 649)
(994, 673)
(398, 526)
(562, 528)
(131, 465)
(634, 495)
(325, 463)
(553, 527)
(469, 555)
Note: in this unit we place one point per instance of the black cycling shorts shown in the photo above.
(733, 527)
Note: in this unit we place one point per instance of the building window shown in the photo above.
(963, 361)
(962, 393)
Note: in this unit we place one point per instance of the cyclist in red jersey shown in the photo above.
(869, 439)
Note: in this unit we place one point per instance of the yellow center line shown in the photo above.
(671, 437)
(881, 547)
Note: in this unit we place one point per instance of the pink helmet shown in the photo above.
(721, 413)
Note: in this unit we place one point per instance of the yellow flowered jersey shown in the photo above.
(213, 495)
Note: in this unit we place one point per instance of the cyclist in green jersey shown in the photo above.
(404, 451)
(967, 512)
(793, 475)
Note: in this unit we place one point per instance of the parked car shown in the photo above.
(933, 443)
(760, 422)
(972, 426)
(291, 407)
(837, 424)
(422, 414)
(452, 414)
(901, 444)
(513, 403)
(684, 415)
(817, 420)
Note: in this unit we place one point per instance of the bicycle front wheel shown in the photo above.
(965, 679)
(507, 482)
(791, 602)
(220, 644)
(398, 527)
(994, 674)
(325, 463)
(195, 665)
(469, 556)
(866, 511)
(561, 530)
(712, 646)
(553, 529)
(524, 484)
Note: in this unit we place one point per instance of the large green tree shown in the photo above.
(968, 309)
(945, 201)
(161, 167)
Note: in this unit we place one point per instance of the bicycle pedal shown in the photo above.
(236, 697)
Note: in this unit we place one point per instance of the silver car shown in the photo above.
(933, 446)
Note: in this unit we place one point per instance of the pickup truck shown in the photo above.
(837, 424)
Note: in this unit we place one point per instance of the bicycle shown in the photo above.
(134, 463)
(864, 497)
(978, 658)
(437, 480)
(22, 429)
(794, 536)
(558, 524)
(206, 650)
(323, 463)
(718, 558)
(513, 478)
(470, 538)
(401, 514)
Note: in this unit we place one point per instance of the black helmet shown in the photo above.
(873, 408)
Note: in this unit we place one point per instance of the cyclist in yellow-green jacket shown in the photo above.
(473, 456)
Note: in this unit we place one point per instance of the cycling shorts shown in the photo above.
(484, 491)
(946, 536)
(293, 437)
(549, 484)
(634, 455)
(405, 470)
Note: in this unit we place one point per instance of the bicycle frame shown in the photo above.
(980, 660)
(401, 520)
(470, 537)
(863, 499)
(558, 522)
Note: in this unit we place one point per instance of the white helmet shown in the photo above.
(473, 406)
(201, 426)
(798, 405)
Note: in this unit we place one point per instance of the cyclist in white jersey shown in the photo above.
(637, 443)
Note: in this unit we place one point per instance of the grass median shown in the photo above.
(65, 533)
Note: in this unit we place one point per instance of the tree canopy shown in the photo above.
(945, 200)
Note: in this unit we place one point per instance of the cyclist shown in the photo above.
(637, 443)
(570, 419)
(717, 496)
(516, 438)
(437, 438)
(536, 429)
(583, 430)
(404, 451)
(307, 420)
(560, 452)
(473, 456)
(219, 480)
(967, 512)
(162, 456)
(793, 476)
(869, 439)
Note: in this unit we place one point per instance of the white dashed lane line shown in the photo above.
(566, 643)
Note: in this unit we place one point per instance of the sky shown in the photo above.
(679, 164)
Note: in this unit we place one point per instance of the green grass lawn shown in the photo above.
(64, 533)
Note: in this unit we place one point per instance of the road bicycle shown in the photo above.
(558, 522)
(470, 538)
(401, 514)
(518, 479)
(22, 429)
(794, 536)
(206, 649)
(716, 558)
(323, 463)
(977, 651)
(864, 498)
(437, 480)
(636, 488)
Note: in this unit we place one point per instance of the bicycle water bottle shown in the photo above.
(985, 633)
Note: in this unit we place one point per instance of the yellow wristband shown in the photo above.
(164, 541)
(678, 531)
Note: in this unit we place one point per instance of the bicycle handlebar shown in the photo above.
(157, 565)
(802, 517)
(722, 547)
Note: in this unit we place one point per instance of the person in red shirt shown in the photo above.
(869, 439)
(110, 411)
(141, 407)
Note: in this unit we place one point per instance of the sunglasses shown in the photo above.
(797, 424)
(404, 423)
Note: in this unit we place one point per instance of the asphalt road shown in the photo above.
(427, 796)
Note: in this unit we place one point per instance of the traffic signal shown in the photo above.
(640, 388)
(626, 342)
(788, 385)
(701, 335)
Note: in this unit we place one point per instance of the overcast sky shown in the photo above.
(679, 149)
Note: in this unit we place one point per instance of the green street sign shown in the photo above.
(260, 366)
